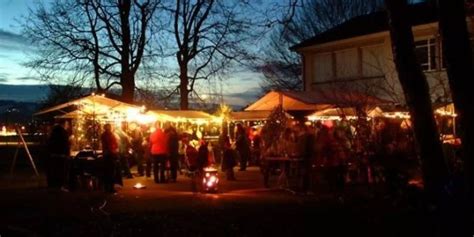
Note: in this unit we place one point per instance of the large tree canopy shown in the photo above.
(103, 41)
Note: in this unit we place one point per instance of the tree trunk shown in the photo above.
(97, 72)
(417, 95)
(127, 78)
(183, 87)
(457, 52)
(128, 86)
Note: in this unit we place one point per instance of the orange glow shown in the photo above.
(139, 186)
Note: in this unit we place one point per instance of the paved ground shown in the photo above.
(241, 208)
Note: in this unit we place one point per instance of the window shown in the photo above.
(372, 61)
(425, 51)
(347, 63)
(323, 68)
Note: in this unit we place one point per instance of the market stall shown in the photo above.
(87, 114)
(198, 124)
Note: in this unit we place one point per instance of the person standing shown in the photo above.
(173, 149)
(203, 156)
(256, 146)
(223, 137)
(182, 154)
(228, 161)
(159, 152)
(110, 154)
(145, 129)
(191, 160)
(305, 142)
(59, 152)
(137, 147)
(124, 145)
(242, 146)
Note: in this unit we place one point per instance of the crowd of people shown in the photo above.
(334, 154)
(160, 153)
(330, 152)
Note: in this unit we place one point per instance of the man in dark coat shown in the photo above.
(110, 152)
(305, 142)
(59, 152)
(242, 146)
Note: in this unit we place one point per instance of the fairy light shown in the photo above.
(336, 118)
(397, 115)
(446, 113)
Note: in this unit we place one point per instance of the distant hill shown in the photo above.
(16, 111)
(27, 98)
(23, 93)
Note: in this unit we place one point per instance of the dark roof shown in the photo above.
(421, 13)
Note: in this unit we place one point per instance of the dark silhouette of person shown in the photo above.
(242, 146)
(124, 145)
(228, 161)
(173, 148)
(305, 141)
(59, 151)
(256, 145)
(203, 156)
(136, 143)
(110, 156)
(191, 161)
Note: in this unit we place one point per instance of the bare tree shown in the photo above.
(280, 67)
(128, 37)
(459, 62)
(60, 33)
(417, 97)
(209, 37)
(103, 38)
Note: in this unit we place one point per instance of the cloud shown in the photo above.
(244, 97)
(27, 79)
(4, 76)
(9, 36)
(5, 47)
(248, 79)
(10, 41)
(251, 93)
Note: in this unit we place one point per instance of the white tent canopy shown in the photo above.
(92, 104)
(257, 115)
(192, 116)
(312, 100)
(103, 108)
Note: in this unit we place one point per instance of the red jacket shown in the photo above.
(158, 142)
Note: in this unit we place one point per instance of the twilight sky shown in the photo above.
(239, 89)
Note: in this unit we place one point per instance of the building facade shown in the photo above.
(357, 55)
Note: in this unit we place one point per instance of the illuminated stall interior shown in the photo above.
(87, 114)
